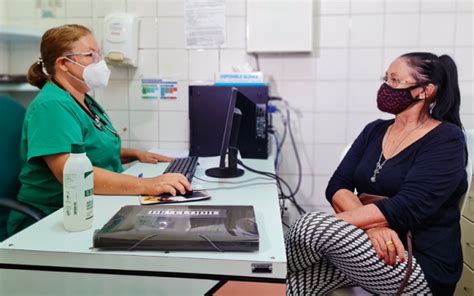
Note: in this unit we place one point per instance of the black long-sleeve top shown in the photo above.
(424, 183)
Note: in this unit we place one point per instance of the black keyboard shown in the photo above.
(186, 166)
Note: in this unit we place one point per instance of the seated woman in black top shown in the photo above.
(417, 160)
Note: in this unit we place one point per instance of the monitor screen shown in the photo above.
(229, 142)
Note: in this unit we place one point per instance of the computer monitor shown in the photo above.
(229, 142)
(208, 106)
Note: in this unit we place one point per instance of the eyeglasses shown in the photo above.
(395, 83)
(96, 57)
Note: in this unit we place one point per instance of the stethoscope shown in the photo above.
(99, 123)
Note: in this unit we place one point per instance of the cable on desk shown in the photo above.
(236, 182)
(279, 180)
(236, 187)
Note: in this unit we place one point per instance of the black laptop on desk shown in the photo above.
(180, 228)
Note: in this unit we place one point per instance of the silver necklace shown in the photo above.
(378, 165)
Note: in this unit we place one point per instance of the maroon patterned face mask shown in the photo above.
(395, 100)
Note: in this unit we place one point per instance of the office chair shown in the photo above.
(11, 121)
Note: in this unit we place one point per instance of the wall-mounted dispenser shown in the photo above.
(121, 39)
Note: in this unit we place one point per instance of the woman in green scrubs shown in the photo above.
(62, 114)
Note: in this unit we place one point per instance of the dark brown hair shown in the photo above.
(54, 43)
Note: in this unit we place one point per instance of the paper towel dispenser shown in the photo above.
(121, 39)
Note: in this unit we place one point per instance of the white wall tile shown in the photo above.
(326, 158)
(331, 64)
(99, 30)
(232, 59)
(298, 66)
(437, 29)
(23, 23)
(438, 50)
(309, 193)
(4, 58)
(367, 6)
(203, 64)
(105, 7)
(171, 32)
(181, 103)
(173, 63)
(300, 94)
(125, 144)
(118, 73)
(467, 121)
(271, 64)
(467, 97)
(465, 5)
(43, 25)
(366, 31)
(330, 128)
(143, 126)
(174, 126)
(25, 9)
(144, 145)
(401, 30)
(22, 58)
(464, 29)
(235, 7)
(365, 63)
(78, 8)
(464, 59)
(3, 12)
(428, 6)
(135, 98)
(201, 82)
(120, 122)
(174, 145)
(390, 54)
(142, 7)
(85, 21)
(114, 96)
(324, 7)
(147, 64)
(301, 123)
(235, 32)
(288, 163)
(402, 6)
(148, 36)
(331, 31)
(171, 7)
(330, 96)
(357, 122)
(363, 96)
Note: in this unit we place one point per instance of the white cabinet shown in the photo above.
(465, 285)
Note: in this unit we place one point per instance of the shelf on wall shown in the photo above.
(19, 34)
(7, 87)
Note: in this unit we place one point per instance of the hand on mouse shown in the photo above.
(171, 183)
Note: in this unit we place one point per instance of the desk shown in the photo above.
(44, 258)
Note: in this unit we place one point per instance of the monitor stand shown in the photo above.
(227, 172)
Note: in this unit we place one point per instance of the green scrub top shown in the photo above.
(53, 122)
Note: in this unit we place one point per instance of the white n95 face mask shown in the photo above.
(95, 75)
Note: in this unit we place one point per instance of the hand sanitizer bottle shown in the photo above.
(78, 190)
